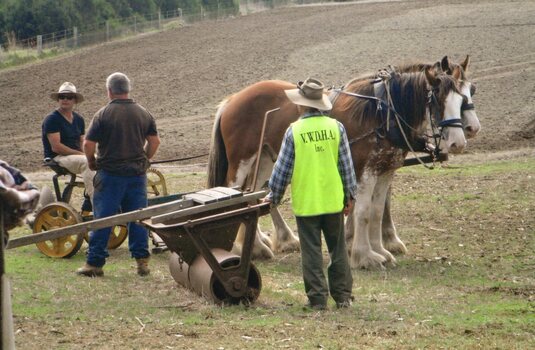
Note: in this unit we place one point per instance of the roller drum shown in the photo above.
(200, 278)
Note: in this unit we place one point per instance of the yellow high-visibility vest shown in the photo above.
(316, 182)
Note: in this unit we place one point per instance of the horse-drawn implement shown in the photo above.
(199, 229)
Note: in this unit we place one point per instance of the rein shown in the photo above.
(177, 159)
(432, 101)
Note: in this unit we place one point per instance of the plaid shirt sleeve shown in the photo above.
(283, 169)
(345, 166)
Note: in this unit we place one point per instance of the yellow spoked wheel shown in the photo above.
(117, 236)
(156, 183)
(58, 215)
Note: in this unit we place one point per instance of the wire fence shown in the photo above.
(73, 38)
(17, 51)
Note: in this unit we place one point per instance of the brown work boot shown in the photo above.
(143, 266)
(90, 271)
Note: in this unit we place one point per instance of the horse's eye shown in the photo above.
(472, 89)
(465, 99)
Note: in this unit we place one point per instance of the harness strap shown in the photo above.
(390, 108)
(467, 106)
(452, 123)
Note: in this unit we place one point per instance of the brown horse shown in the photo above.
(471, 127)
(246, 109)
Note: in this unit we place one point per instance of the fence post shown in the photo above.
(179, 12)
(107, 30)
(159, 19)
(39, 44)
(135, 24)
(75, 36)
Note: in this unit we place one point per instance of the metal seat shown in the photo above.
(64, 196)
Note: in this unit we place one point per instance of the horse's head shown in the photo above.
(471, 125)
(445, 105)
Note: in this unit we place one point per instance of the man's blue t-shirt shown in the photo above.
(69, 132)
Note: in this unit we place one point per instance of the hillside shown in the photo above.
(182, 74)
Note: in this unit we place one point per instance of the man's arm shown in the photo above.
(58, 147)
(282, 170)
(153, 142)
(347, 171)
(90, 148)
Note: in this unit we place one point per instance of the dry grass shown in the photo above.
(467, 282)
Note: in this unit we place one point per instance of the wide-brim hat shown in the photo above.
(67, 89)
(310, 93)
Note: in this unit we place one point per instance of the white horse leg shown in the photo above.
(284, 240)
(262, 244)
(391, 241)
(376, 216)
(260, 249)
(362, 254)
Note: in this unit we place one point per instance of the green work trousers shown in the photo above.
(338, 271)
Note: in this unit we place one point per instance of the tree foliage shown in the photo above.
(28, 18)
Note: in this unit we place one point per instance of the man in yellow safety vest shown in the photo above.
(315, 157)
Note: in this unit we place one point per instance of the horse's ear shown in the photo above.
(456, 73)
(437, 67)
(430, 75)
(466, 63)
(472, 89)
(445, 65)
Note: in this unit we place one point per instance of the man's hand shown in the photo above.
(92, 164)
(348, 207)
(90, 149)
(267, 199)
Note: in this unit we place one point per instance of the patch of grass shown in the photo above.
(467, 282)
(20, 57)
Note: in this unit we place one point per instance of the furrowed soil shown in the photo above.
(470, 236)
(181, 75)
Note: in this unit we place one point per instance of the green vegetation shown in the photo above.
(22, 19)
(466, 283)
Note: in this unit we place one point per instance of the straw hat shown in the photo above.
(67, 89)
(310, 93)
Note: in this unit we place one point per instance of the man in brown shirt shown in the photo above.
(126, 136)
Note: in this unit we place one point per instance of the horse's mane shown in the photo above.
(408, 93)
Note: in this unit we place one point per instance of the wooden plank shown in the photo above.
(230, 192)
(164, 199)
(215, 194)
(201, 198)
(84, 227)
(246, 198)
(218, 196)
(212, 195)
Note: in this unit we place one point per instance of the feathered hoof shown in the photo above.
(390, 260)
(395, 247)
(258, 253)
(289, 246)
(369, 260)
(263, 253)
(267, 241)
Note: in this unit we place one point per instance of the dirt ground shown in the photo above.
(182, 74)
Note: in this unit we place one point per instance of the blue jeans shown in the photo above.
(114, 194)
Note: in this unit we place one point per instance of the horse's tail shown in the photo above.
(217, 159)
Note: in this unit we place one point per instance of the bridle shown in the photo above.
(437, 126)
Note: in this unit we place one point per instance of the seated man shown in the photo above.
(17, 198)
(63, 135)
(17, 195)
